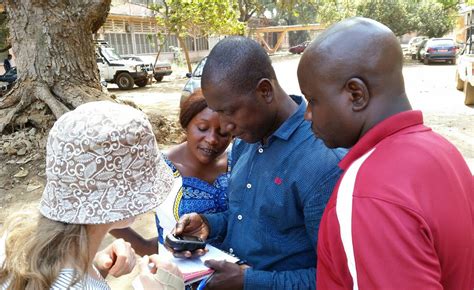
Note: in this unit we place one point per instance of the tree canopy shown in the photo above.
(198, 18)
(432, 18)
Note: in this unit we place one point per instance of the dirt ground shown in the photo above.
(22, 176)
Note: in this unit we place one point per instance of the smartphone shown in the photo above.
(184, 243)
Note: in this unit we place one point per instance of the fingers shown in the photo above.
(143, 267)
(125, 259)
(203, 235)
(165, 265)
(146, 278)
(191, 224)
(183, 254)
(188, 254)
(103, 261)
(181, 224)
(200, 252)
(214, 264)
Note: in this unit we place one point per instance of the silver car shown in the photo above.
(414, 46)
(194, 81)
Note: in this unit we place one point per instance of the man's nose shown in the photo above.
(226, 127)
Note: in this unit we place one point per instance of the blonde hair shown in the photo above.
(37, 248)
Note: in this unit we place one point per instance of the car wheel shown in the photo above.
(459, 82)
(426, 61)
(158, 78)
(141, 83)
(124, 81)
(468, 94)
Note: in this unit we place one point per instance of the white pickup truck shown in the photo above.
(123, 72)
(465, 61)
(465, 75)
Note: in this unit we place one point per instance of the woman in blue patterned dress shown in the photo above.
(202, 164)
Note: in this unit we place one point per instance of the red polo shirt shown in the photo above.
(401, 216)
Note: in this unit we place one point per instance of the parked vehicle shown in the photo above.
(404, 47)
(438, 50)
(465, 68)
(160, 70)
(7, 80)
(194, 81)
(123, 72)
(297, 49)
(414, 46)
(420, 46)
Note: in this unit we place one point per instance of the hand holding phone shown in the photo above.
(181, 243)
(192, 224)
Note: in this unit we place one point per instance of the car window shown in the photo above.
(198, 71)
(110, 54)
(442, 42)
(424, 43)
(416, 40)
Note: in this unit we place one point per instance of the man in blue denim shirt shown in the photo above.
(281, 179)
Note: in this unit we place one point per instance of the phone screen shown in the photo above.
(190, 238)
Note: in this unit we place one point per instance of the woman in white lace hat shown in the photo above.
(103, 168)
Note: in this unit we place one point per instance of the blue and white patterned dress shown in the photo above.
(194, 195)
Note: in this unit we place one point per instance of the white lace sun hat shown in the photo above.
(103, 165)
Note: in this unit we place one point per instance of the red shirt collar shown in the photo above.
(387, 127)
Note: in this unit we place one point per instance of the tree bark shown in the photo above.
(55, 58)
(182, 43)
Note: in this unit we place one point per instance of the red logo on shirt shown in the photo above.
(278, 180)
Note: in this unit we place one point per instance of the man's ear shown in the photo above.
(265, 89)
(359, 93)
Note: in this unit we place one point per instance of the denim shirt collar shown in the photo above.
(292, 123)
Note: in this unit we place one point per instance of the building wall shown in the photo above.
(137, 35)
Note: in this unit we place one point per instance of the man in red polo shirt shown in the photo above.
(401, 216)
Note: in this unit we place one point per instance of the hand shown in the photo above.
(191, 224)
(117, 259)
(168, 276)
(226, 275)
(141, 245)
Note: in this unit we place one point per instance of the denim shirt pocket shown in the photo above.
(276, 208)
(235, 195)
(278, 196)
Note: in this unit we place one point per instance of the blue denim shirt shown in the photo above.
(277, 194)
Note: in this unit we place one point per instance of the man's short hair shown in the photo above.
(238, 62)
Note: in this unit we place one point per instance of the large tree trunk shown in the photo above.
(55, 59)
